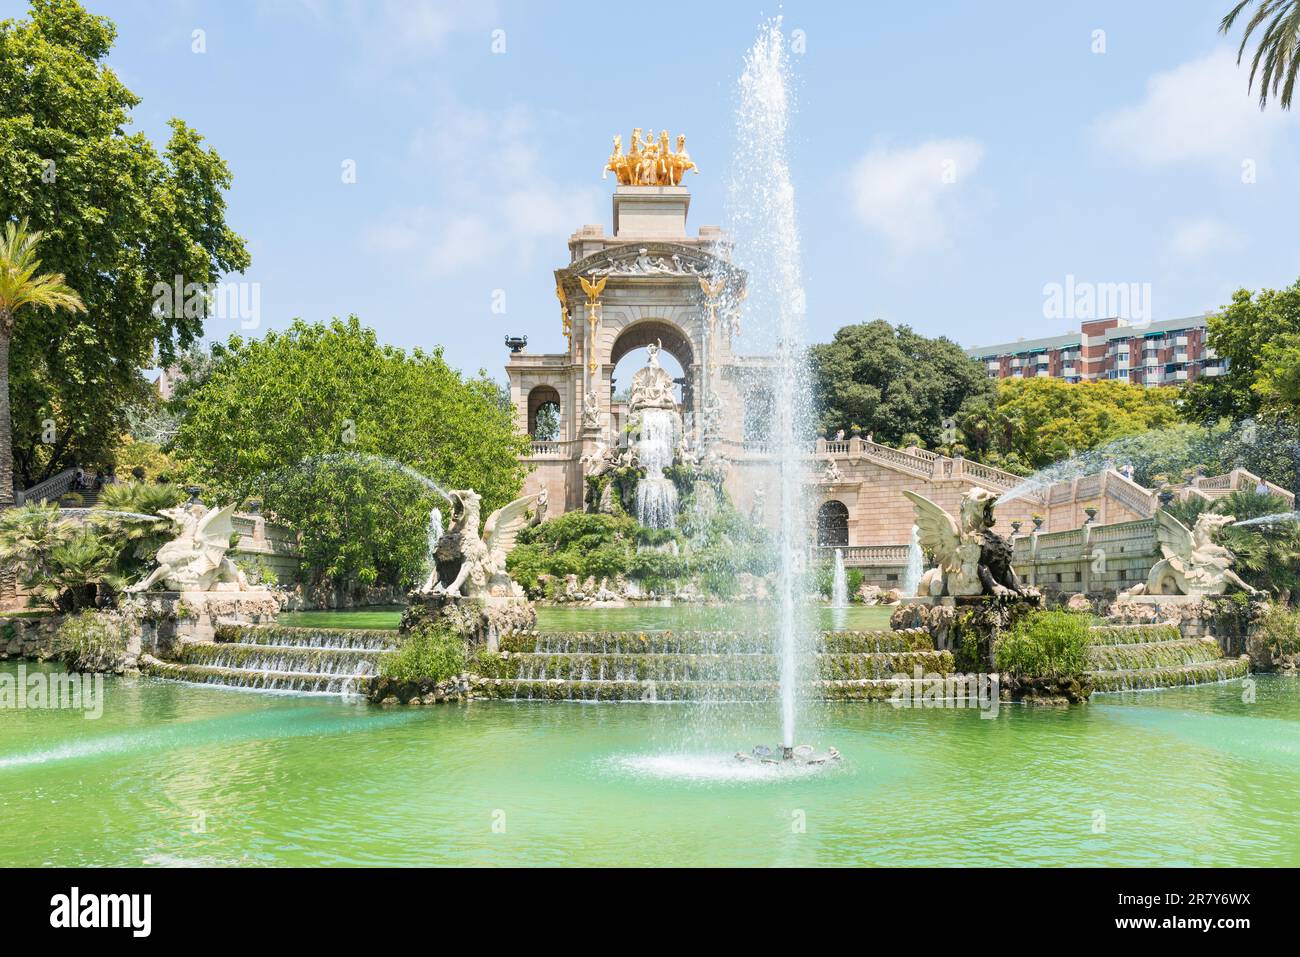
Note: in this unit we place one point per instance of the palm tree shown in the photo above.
(22, 286)
(1278, 49)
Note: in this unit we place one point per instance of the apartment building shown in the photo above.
(1172, 352)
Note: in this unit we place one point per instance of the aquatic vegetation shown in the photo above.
(1044, 644)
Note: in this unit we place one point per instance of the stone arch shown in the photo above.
(833, 523)
(675, 340)
(540, 396)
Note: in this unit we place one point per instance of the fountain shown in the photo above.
(839, 583)
(654, 409)
(762, 210)
(915, 566)
(431, 537)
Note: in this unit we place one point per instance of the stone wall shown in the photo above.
(1092, 559)
(30, 638)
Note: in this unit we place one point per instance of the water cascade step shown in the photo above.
(1144, 657)
(275, 658)
(699, 666)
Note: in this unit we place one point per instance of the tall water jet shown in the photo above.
(762, 214)
(839, 582)
(915, 566)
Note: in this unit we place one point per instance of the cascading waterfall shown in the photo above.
(762, 213)
(656, 496)
(839, 582)
(915, 566)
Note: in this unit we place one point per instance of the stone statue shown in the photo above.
(470, 566)
(973, 559)
(1193, 564)
(756, 506)
(652, 386)
(831, 474)
(590, 413)
(196, 559)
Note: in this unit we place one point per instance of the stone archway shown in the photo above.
(833, 524)
(544, 400)
(672, 338)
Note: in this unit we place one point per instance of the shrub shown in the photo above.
(433, 653)
(1044, 644)
(93, 641)
(1279, 630)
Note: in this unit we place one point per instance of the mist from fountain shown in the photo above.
(656, 496)
(915, 566)
(763, 225)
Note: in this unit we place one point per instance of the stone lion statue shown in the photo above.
(1193, 563)
(196, 559)
(973, 559)
(472, 566)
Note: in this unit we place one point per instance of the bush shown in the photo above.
(93, 641)
(1044, 644)
(434, 653)
(1279, 630)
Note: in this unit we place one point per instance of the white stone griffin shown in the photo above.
(471, 566)
(1193, 563)
(973, 559)
(196, 559)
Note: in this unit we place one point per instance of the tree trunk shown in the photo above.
(8, 589)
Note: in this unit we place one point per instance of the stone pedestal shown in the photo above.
(479, 620)
(168, 618)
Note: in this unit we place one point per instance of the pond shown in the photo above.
(175, 774)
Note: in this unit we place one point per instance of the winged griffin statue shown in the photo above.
(973, 559)
(196, 559)
(470, 566)
(1193, 563)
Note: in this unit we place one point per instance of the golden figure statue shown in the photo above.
(564, 310)
(593, 291)
(649, 162)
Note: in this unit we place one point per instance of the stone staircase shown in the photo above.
(274, 658)
(1144, 657)
(697, 666)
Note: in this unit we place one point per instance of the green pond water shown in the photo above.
(175, 774)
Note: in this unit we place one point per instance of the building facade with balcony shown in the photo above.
(1171, 352)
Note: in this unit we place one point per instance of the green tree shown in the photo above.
(317, 420)
(1256, 333)
(1278, 50)
(121, 221)
(1054, 419)
(22, 287)
(892, 381)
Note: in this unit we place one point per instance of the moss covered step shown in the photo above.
(1144, 656)
(297, 681)
(1133, 634)
(705, 642)
(560, 690)
(284, 658)
(1171, 677)
(532, 666)
(280, 636)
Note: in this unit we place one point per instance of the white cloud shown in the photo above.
(909, 195)
(1198, 111)
(1198, 238)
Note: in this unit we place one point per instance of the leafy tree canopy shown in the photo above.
(314, 420)
(1259, 334)
(118, 217)
(892, 381)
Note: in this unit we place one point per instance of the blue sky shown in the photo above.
(473, 166)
